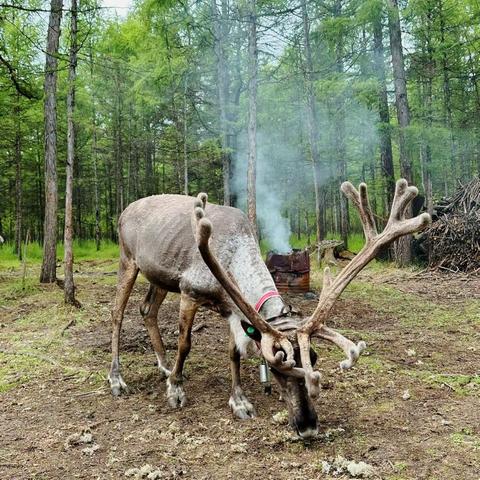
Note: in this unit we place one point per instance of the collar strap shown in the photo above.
(264, 298)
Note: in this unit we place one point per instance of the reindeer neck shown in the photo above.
(253, 278)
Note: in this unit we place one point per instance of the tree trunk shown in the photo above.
(185, 134)
(98, 234)
(223, 81)
(447, 98)
(403, 246)
(307, 227)
(426, 160)
(18, 178)
(234, 104)
(386, 155)
(148, 161)
(109, 200)
(49, 264)
(252, 116)
(69, 286)
(426, 153)
(474, 81)
(340, 135)
(118, 148)
(40, 187)
(95, 160)
(312, 122)
(373, 179)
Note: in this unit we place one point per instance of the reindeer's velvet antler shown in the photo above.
(396, 227)
(274, 344)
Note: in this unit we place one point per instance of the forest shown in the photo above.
(272, 107)
(169, 97)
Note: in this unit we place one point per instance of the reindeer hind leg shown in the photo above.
(127, 274)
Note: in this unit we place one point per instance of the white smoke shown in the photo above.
(272, 160)
(275, 228)
(284, 170)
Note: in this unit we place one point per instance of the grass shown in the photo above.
(16, 288)
(35, 343)
(467, 438)
(82, 250)
(411, 309)
(16, 369)
(462, 385)
(355, 242)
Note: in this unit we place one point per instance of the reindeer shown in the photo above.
(209, 254)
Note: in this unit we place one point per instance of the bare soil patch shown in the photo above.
(363, 414)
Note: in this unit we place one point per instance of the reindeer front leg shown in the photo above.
(149, 311)
(238, 402)
(175, 394)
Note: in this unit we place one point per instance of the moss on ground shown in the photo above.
(458, 383)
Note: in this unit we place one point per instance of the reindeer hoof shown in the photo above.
(117, 385)
(241, 407)
(116, 391)
(175, 395)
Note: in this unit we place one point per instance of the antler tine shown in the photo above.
(360, 200)
(403, 196)
(272, 339)
(397, 224)
(351, 350)
(327, 282)
(203, 197)
(312, 377)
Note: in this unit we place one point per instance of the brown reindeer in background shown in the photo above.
(209, 254)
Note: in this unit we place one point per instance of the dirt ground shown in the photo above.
(410, 408)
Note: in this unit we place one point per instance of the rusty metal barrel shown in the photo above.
(291, 271)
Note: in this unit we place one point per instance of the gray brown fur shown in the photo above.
(156, 238)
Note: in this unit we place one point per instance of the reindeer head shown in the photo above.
(285, 342)
(301, 411)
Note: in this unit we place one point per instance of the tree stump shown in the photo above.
(326, 251)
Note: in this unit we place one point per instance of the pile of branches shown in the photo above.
(465, 200)
(454, 236)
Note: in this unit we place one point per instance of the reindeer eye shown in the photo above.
(251, 331)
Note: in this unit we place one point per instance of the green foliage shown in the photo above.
(148, 106)
(355, 242)
(391, 302)
(82, 250)
(466, 437)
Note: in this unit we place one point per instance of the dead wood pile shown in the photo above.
(454, 236)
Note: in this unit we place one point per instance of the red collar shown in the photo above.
(264, 298)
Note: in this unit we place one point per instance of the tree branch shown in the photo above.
(25, 92)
